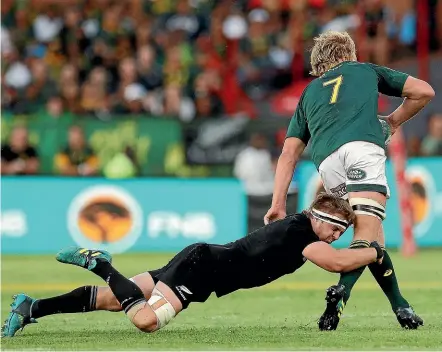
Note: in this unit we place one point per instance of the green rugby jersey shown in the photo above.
(341, 106)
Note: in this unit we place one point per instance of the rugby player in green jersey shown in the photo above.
(337, 114)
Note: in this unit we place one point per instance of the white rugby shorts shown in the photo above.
(355, 166)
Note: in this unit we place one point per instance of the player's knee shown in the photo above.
(146, 323)
(154, 314)
(143, 317)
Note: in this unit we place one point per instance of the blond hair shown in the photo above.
(332, 204)
(329, 50)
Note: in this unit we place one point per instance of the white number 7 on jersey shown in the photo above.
(337, 84)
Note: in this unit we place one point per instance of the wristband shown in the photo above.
(379, 251)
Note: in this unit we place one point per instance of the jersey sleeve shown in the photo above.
(298, 125)
(390, 82)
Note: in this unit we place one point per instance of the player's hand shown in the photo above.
(379, 251)
(391, 129)
(274, 214)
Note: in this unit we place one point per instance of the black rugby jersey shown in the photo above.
(263, 256)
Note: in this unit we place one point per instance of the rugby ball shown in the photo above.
(386, 129)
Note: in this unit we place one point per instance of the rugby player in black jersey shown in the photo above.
(153, 298)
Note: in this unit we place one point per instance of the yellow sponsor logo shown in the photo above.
(105, 219)
(105, 216)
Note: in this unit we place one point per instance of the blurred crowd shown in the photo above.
(103, 58)
(431, 144)
(76, 158)
(168, 57)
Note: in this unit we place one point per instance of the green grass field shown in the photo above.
(281, 315)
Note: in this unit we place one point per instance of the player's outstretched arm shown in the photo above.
(417, 94)
(341, 260)
(291, 153)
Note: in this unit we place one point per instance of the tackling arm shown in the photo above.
(339, 260)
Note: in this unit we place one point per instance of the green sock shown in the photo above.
(386, 278)
(349, 279)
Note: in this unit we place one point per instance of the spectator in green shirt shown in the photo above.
(432, 143)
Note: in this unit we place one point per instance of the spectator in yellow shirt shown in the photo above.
(77, 159)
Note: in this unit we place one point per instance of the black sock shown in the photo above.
(80, 300)
(386, 278)
(349, 279)
(126, 291)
